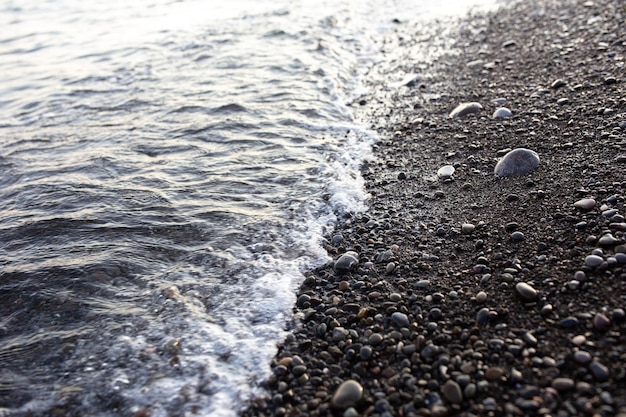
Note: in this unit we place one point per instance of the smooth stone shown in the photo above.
(517, 162)
(482, 316)
(452, 391)
(601, 322)
(585, 204)
(582, 357)
(569, 322)
(347, 262)
(607, 240)
(502, 113)
(526, 292)
(347, 395)
(445, 172)
(464, 109)
(563, 384)
(467, 228)
(599, 371)
(593, 261)
(400, 319)
(481, 297)
(579, 340)
(517, 235)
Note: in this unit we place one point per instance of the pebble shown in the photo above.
(452, 391)
(526, 292)
(347, 395)
(464, 109)
(579, 340)
(569, 322)
(585, 204)
(593, 261)
(347, 262)
(400, 319)
(517, 162)
(599, 371)
(482, 316)
(517, 235)
(557, 83)
(467, 228)
(601, 322)
(608, 240)
(502, 113)
(481, 297)
(563, 384)
(582, 357)
(445, 172)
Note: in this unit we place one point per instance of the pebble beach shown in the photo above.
(488, 275)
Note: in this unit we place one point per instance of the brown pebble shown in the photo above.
(452, 391)
(494, 373)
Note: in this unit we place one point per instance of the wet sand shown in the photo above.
(477, 294)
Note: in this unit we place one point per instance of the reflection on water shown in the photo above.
(167, 169)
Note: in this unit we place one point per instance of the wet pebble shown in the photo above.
(526, 292)
(347, 262)
(517, 162)
(464, 109)
(585, 204)
(347, 395)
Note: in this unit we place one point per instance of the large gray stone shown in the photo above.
(516, 163)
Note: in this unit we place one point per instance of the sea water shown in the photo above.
(168, 170)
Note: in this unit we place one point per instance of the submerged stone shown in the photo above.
(464, 109)
(516, 163)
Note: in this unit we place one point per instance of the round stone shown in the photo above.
(582, 357)
(593, 261)
(585, 204)
(347, 395)
(599, 371)
(526, 292)
(517, 162)
(347, 262)
(445, 172)
(464, 109)
(607, 240)
(601, 322)
(467, 228)
(517, 235)
(452, 391)
(563, 384)
(502, 113)
(400, 319)
(481, 297)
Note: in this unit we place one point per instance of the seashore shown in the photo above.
(467, 293)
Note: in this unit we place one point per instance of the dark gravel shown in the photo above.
(477, 294)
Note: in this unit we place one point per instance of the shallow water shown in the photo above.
(167, 172)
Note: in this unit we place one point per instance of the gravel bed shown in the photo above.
(461, 291)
